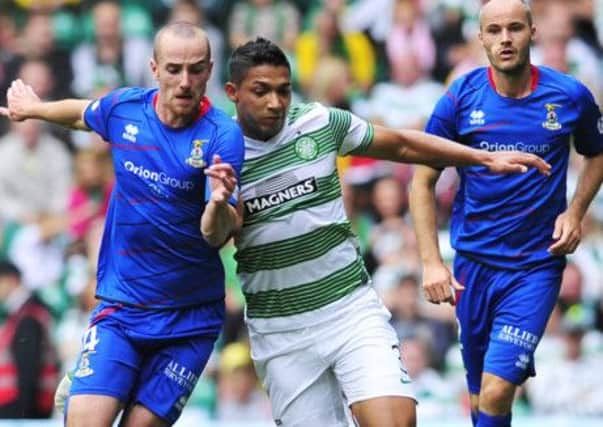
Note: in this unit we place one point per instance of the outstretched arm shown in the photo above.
(412, 146)
(220, 219)
(568, 230)
(438, 283)
(23, 103)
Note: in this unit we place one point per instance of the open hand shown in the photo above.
(20, 97)
(439, 285)
(516, 162)
(567, 233)
(223, 180)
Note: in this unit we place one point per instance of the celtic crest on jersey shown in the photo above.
(306, 148)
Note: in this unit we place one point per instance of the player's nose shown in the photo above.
(275, 102)
(505, 36)
(185, 80)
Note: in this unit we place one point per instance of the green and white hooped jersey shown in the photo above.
(297, 256)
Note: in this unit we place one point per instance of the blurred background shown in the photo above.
(386, 60)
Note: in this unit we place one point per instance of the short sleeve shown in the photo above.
(588, 134)
(352, 134)
(442, 121)
(97, 113)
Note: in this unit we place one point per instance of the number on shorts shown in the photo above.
(90, 339)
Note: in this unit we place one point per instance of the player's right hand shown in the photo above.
(439, 285)
(516, 162)
(223, 179)
(20, 97)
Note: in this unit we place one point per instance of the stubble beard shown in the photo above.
(515, 70)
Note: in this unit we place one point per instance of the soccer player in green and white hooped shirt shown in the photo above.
(318, 330)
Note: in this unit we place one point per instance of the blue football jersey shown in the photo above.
(152, 252)
(507, 221)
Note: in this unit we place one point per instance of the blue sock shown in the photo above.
(485, 420)
(474, 416)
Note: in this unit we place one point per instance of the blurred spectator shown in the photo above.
(112, 59)
(598, 19)
(473, 56)
(406, 101)
(410, 31)
(37, 42)
(29, 366)
(447, 18)
(410, 320)
(568, 384)
(325, 39)
(8, 52)
(37, 249)
(356, 198)
(35, 173)
(89, 198)
(372, 16)
(276, 20)
(240, 398)
(571, 287)
(44, 4)
(436, 396)
(331, 85)
(559, 48)
(589, 258)
(392, 239)
(584, 22)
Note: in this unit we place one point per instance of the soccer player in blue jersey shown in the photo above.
(510, 233)
(160, 278)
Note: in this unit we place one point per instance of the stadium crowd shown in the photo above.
(386, 60)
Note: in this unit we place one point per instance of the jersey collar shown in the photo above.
(534, 74)
(204, 106)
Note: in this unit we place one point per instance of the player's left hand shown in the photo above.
(516, 162)
(567, 233)
(223, 180)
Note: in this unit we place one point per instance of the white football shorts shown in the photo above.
(312, 375)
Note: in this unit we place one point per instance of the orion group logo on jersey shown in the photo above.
(552, 121)
(600, 125)
(158, 177)
(515, 146)
(477, 118)
(517, 336)
(276, 198)
(130, 132)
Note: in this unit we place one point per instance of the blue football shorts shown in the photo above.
(150, 357)
(501, 317)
